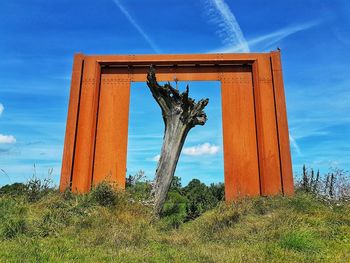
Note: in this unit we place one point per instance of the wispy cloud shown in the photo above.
(201, 149)
(273, 38)
(7, 139)
(270, 40)
(137, 26)
(294, 145)
(156, 158)
(228, 28)
(1, 109)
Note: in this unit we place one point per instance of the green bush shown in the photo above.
(175, 209)
(37, 188)
(200, 198)
(104, 194)
(218, 191)
(15, 189)
(139, 191)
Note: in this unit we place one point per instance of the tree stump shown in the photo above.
(180, 114)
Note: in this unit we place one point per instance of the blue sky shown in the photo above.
(39, 37)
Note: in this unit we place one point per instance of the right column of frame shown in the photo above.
(282, 124)
(266, 123)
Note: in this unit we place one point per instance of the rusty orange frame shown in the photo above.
(257, 159)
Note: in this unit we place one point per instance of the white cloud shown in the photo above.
(228, 28)
(156, 158)
(7, 139)
(137, 26)
(201, 149)
(1, 109)
(270, 39)
(294, 145)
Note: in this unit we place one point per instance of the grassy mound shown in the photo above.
(107, 226)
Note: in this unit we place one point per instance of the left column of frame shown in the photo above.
(86, 126)
(72, 119)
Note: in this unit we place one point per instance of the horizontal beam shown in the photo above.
(241, 58)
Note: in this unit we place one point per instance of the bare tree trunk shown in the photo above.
(180, 114)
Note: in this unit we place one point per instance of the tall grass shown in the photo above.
(109, 226)
(39, 224)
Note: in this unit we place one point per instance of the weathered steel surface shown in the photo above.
(71, 126)
(270, 179)
(239, 135)
(112, 131)
(282, 125)
(255, 130)
(86, 127)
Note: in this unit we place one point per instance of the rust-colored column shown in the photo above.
(86, 130)
(282, 124)
(269, 162)
(71, 126)
(112, 130)
(239, 135)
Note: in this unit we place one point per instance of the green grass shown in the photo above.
(68, 228)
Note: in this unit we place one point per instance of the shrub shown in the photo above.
(140, 191)
(132, 180)
(335, 185)
(200, 198)
(104, 194)
(15, 189)
(175, 209)
(218, 191)
(36, 188)
(176, 184)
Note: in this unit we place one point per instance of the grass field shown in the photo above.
(66, 228)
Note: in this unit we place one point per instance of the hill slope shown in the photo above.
(68, 228)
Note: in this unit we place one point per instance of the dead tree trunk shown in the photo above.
(180, 114)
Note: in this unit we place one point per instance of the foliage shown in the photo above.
(104, 194)
(15, 189)
(176, 184)
(189, 202)
(175, 209)
(37, 188)
(132, 180)
(138, 187)
(200, 198)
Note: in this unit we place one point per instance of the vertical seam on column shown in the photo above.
(222, 80)
(255, 119)
(97, 113)
(76, 123)
(277, 132)
(127, 132)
